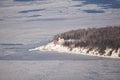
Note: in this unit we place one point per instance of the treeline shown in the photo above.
(102, 38)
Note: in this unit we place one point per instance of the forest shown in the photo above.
(101, 38)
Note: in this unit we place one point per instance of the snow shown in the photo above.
(60, 70)
(56, 16)
(43, 20)
(52, 47)
(78, 50)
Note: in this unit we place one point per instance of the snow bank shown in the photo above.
(78, 50)
(52, 47)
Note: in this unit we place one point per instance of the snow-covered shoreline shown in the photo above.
(78, 50)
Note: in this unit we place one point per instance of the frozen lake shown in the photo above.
(26, 24)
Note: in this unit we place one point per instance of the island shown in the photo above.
(103, 41)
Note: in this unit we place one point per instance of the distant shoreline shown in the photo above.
(104, 42)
